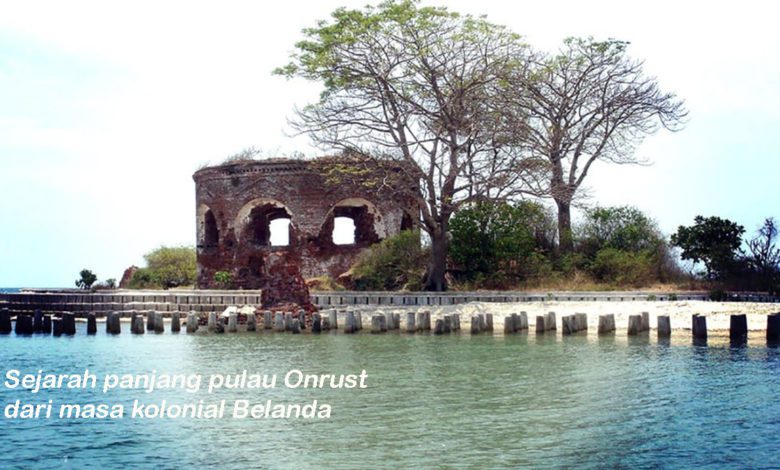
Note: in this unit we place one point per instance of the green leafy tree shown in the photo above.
(497, 242)
(623, 228)
(167, 267)
(420, 86)
(398, 262)
(87, 278)
(713, 241)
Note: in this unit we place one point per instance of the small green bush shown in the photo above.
(166, 267)
(622, 268)
(397, 262)
(224, 279)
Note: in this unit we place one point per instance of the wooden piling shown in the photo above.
(488, 322)
(137, 325)
(212, 321)
(91, 324)
(568, 325)
(738, 328)
(634, 324)
(68, 324)
(56, 328)
(5, 321)
(582, 321)
(232, 322)
(447, 324)
(251, 322)
(509, 325)
(159, 323)
(438, 328)
(410, 326)
(113, 325)
(268, 320)
(350, 325)
(295, 326)
(549, 321)
(192, 322)
(333, 319)
(376, 328)
(475, 325)
(455, 321)
(279, 322)
(540, 324)
(523, 320)
(316, 323)
(645, 321)
(150, 321)
(175, 322)
(302, 318)
(46, 324)
(325, 324)
(604, 324)
(699, 326)
(664, 324)
(288, 321)
(38, 321)
(773, 327)
(24, 325)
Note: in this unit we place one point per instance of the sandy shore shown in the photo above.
(680, 312)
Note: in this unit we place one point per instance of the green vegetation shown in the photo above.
(397, 263)
(713, 241)
(496, 244)
(512, 246)
(166, 267)
(86, 279)
(223, 279)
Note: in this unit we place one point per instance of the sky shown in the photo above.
(108, 108)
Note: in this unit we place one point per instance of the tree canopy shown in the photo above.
(588, 102)
(421, 85)
(712, 241)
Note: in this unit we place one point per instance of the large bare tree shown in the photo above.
(422, 86)
(588, 102)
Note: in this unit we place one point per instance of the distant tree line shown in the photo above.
(513, 246)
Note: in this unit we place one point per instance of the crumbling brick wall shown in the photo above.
(238, 203)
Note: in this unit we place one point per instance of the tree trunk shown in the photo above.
(565, 238)
(437, 267)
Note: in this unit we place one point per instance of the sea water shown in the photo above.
(455, 401)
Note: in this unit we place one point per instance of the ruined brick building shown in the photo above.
(240, 205)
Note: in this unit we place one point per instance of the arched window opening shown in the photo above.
(343, 231)
(269, 226)
(353, 225)
(280, 231)
(210, 230)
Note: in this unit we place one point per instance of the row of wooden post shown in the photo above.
(380, 323)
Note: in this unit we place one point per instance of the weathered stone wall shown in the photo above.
(237, 202)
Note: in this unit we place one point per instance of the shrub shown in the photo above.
(166, 267)
(622, 268)
(398, 262)
(498, 243)
(223, 279)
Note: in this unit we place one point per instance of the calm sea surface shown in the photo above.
(431, 402)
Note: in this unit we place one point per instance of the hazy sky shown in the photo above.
(107, 108)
